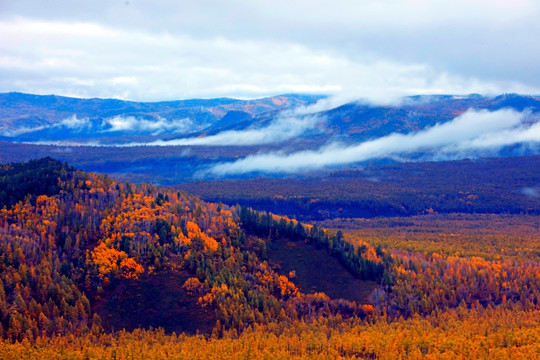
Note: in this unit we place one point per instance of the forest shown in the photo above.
(483, 186)
(96, 268)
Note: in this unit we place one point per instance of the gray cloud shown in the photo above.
(469, 132)
(168, 50)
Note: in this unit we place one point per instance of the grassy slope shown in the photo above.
(157, 300)
(317, 271)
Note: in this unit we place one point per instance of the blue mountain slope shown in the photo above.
(27, 117)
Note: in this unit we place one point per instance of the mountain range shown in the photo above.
(179, 141)
(27, 117)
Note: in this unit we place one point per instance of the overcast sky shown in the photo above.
(169, 49)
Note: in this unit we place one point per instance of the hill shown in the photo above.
(75, 256)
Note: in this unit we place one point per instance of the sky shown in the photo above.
(377, 50)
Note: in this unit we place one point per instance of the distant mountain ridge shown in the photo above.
(361, 121)
(356, 121)
(28, 117)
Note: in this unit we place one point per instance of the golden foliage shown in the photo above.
(286, 287)
(470, 334)
(111, 261)
(194, 231)
(131, 269)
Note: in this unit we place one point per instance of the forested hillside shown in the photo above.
(62, 252)
(76, 251)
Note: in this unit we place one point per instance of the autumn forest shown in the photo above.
(234, 180)
(95, 268)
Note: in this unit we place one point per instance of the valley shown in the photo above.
(144, 253)
(147, 147)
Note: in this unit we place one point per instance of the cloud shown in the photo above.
(288, 124)
(505, 137)
(330, 102)
(284, 127)
(122, 123)
(469, 132)
(129, 124)
(87, 56)
(20, 130)
(531, 192)
(155, 127)
(124, 80)
(71, 122)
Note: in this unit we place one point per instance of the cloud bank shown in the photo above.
(120, 123)
(472, 131)
(154, 127)
(286, 126)
(72, 122)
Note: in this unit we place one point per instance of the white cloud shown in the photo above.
(497, 139)
(73, 122)
(285, 127)
(532, 192)
(469, 132)
(154, 127)
(124, 80)
(20, 130)
(87, 57)
(122, 123)
(129, 124)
